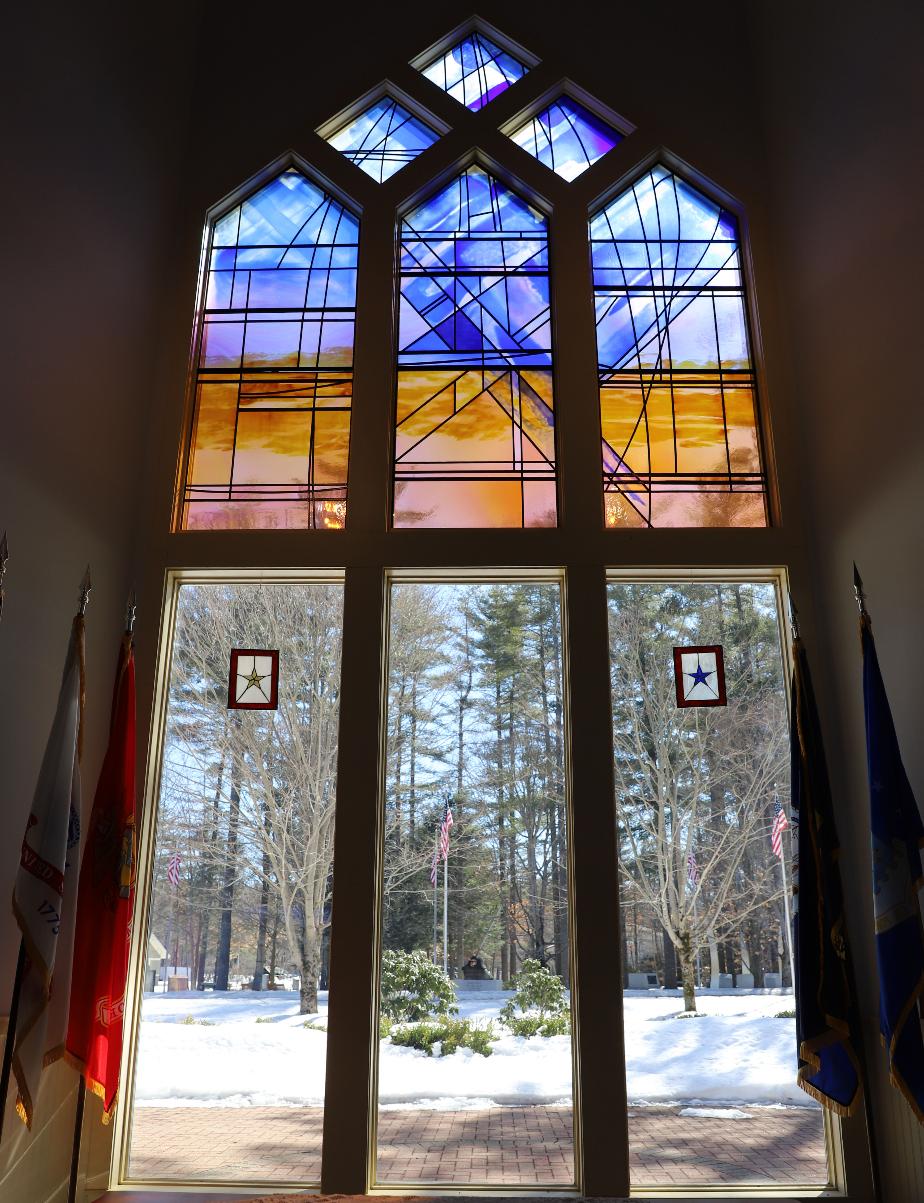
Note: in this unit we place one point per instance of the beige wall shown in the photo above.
(123, 149)
(844, 117)
(88, 181)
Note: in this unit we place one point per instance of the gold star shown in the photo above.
(253, 682)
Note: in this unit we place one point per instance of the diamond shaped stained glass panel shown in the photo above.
(383, 138)
(566, 137)
(475, 71)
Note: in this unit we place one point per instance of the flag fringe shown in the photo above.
(826, 1101)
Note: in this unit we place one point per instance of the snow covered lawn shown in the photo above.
(734, 1052)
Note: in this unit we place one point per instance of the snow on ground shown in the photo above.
(733, 1052)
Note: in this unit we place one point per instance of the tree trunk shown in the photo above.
(687, 971)
(260, 958)
(713, 959)
(309, 968)
(226, 897)
(670, 963)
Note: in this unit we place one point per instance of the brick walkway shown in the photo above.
(503, 1146)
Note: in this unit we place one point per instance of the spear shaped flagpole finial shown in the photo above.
(85, 586)
(858, 590)
(793, 618)
(131, 610)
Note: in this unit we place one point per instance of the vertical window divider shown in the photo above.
(348, 1146)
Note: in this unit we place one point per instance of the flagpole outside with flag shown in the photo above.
(446, 915)
(434, 878)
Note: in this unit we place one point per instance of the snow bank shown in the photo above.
(733, 1052)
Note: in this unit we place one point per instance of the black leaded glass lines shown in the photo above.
(677, 390)
(475, 70)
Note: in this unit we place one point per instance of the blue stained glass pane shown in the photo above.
(566, 137)
(383, 138)
(475, 71)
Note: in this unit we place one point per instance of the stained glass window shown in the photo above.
(475, 70)
(566, 137)
(383, 138)
(475, 438)
(275, 356)
(677, 388)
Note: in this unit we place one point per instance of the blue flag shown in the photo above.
(825, 1016)
(897, 837)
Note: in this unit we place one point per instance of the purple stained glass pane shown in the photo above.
(566, 137)
(475, 71)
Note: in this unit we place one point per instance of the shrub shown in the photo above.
(264, 1019)
(385, 1026)
(785, 1015)
(450, 1035)
(191, 1020)
(413, 988)
(540, 997)
(312, 1027)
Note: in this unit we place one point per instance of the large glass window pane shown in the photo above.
(231, 1053)
(475, 1061)
(702, 805)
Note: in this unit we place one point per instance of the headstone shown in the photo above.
(725, 981)
(176, 983)
(643, 981)
(773, 981)
(745, 981)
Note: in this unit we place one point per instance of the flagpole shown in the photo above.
(788, 921)
(11, 1033)
(445, 914)
(436, 878)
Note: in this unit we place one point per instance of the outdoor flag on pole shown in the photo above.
(444, 832)
(45, 892)
(825, 1022)
(897, 839)
(692, 869)
(780, 823)
(173, 870)
(434, 868)
(104, 909)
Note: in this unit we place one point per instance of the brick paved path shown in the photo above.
(498, 1146)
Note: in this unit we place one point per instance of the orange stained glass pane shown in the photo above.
(270, 438)
(475, 503)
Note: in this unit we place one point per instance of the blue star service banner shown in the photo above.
(825, 1017)
(897, 838)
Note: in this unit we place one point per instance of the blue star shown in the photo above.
(700, 676)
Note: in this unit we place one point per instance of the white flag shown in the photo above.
(45, 893)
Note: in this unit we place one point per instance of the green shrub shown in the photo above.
(785, 1015)
(385, 1026)
(191, 1020)
(413, 988)
(264, 1019)
(540, 997)
(450, 1035)
(312, 1027)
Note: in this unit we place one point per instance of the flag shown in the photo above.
(434, 868)
(104, 902)
(825, 1017)
(780, 823)
(45, 891)
(897, 838)
(444, 832)
(692, 869)
(173, 870)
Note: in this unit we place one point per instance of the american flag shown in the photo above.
(692, 869)
(434, 869)
(444, 832)
(173, 870)
(780, 823)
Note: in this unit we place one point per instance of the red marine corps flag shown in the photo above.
(45, 892)
(104, 911)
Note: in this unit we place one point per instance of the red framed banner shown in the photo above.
(253, 679)
(699, 675)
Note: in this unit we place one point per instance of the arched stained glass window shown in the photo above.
(274, 365)
(475, 437)
(677, 388)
